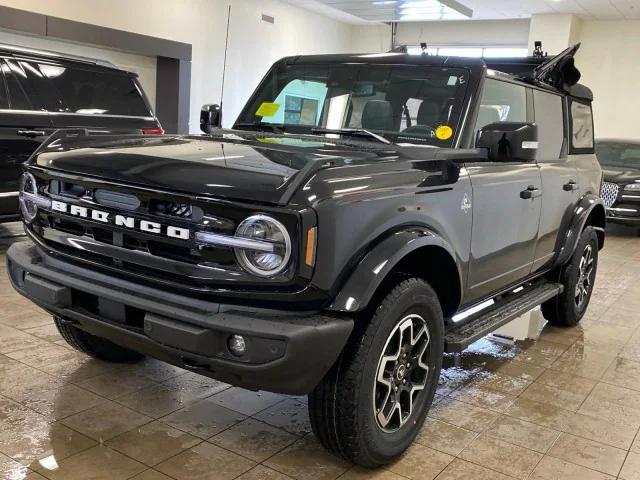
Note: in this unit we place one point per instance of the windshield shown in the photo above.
(619, 154)
(402, 103)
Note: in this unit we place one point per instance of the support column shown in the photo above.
(555, 31)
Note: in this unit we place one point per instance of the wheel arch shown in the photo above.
(417, 252)
(589, 211)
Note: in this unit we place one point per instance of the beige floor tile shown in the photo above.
(151, 474)
(12, 470)
(205, 462)
(157, 401)
(567, 381)
(360, 473)
(463, 415)
(106, 421)
(584, 361)
(22, 382)
(503, 383)
(420, 463)
(613, 403)
(462, 470)
(20, 316)
(245, 401)
(115, 384)
(152, 443)
(525, 434)
(527, 371)
(46, 332)
(63, 401)
(590, 454)
(253, 439)
(152, 369)
(631, 468)
(196, 385)
(501, 456)
(306, 460)
(444, 437)
(616, 434)
(623, 373)
(562, 336)
(12, 339)
(97, 463)
(551, 468)
(203, 418)
(290, 415)
(261, 472)
(484, 398)
(569, 400)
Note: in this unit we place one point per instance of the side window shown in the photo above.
(93, 92)
(581, 127)
(18, 99)
(550, 121)
(4, 98)
(501, 102)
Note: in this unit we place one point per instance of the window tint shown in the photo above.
(581, 126)
(4, 99)
(93, 92)
(18, 99)
(549, 118)
(501, 102)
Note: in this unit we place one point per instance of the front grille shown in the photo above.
(609, 193)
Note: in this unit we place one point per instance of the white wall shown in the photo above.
(609, 60)
(144, 66)
(202, 23)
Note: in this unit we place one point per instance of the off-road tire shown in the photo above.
(563, 310)
(342, 407)
(95, 346)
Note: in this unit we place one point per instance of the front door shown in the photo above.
(506, 203)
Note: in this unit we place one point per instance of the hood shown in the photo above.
(620, 175)
(227, 166)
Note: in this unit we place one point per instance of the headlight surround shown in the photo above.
(633, 187)
(264, 228)
(28, 190)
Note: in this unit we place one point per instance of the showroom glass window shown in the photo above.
(96, 92)
(501, 102)
(550, 121)
(385, 99)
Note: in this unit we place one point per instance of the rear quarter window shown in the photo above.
(97, 92)
(581, 123)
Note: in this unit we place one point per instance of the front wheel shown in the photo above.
(578, 278)
(373, 402)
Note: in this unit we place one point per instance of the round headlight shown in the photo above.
(28, 206)
(265, 229)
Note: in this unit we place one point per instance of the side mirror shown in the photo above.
(509, 141)
(210, 117)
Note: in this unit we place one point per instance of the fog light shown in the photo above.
(237, 345)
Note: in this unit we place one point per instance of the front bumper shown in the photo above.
(624, 214)
(287, 352)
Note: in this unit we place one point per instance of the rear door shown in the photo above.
(560, 181)
(24, 125)
(98, 98)
(505, 225)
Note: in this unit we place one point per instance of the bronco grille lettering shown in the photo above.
(122, 220)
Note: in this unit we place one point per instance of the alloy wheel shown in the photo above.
(585, 277)
(402, 373)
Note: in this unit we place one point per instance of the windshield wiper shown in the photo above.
(260, 126)
(354, 132)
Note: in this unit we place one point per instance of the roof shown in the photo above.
(49, 54)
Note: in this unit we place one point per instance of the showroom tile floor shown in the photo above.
(565, 405)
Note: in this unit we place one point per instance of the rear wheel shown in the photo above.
(95, 346)
(371, 405)
(578, 278)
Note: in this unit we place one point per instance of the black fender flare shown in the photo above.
(587, 204)
(368, 274)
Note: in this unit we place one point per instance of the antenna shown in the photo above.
(224, 63)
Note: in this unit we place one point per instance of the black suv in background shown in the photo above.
(620, 160)
(43, 91)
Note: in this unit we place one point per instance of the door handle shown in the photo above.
(530, 192)
(31, 133)
(569, 187)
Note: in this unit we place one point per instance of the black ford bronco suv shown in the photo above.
(365, 215)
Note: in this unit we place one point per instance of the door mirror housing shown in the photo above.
(210, 117)
(509, 141)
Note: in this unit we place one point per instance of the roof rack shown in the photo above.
(50, 53)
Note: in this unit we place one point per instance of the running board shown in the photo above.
(505, 310)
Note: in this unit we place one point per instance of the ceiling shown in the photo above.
(365, 11)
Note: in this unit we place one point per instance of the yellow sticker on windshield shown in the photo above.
(444, 132)
(267, 109)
